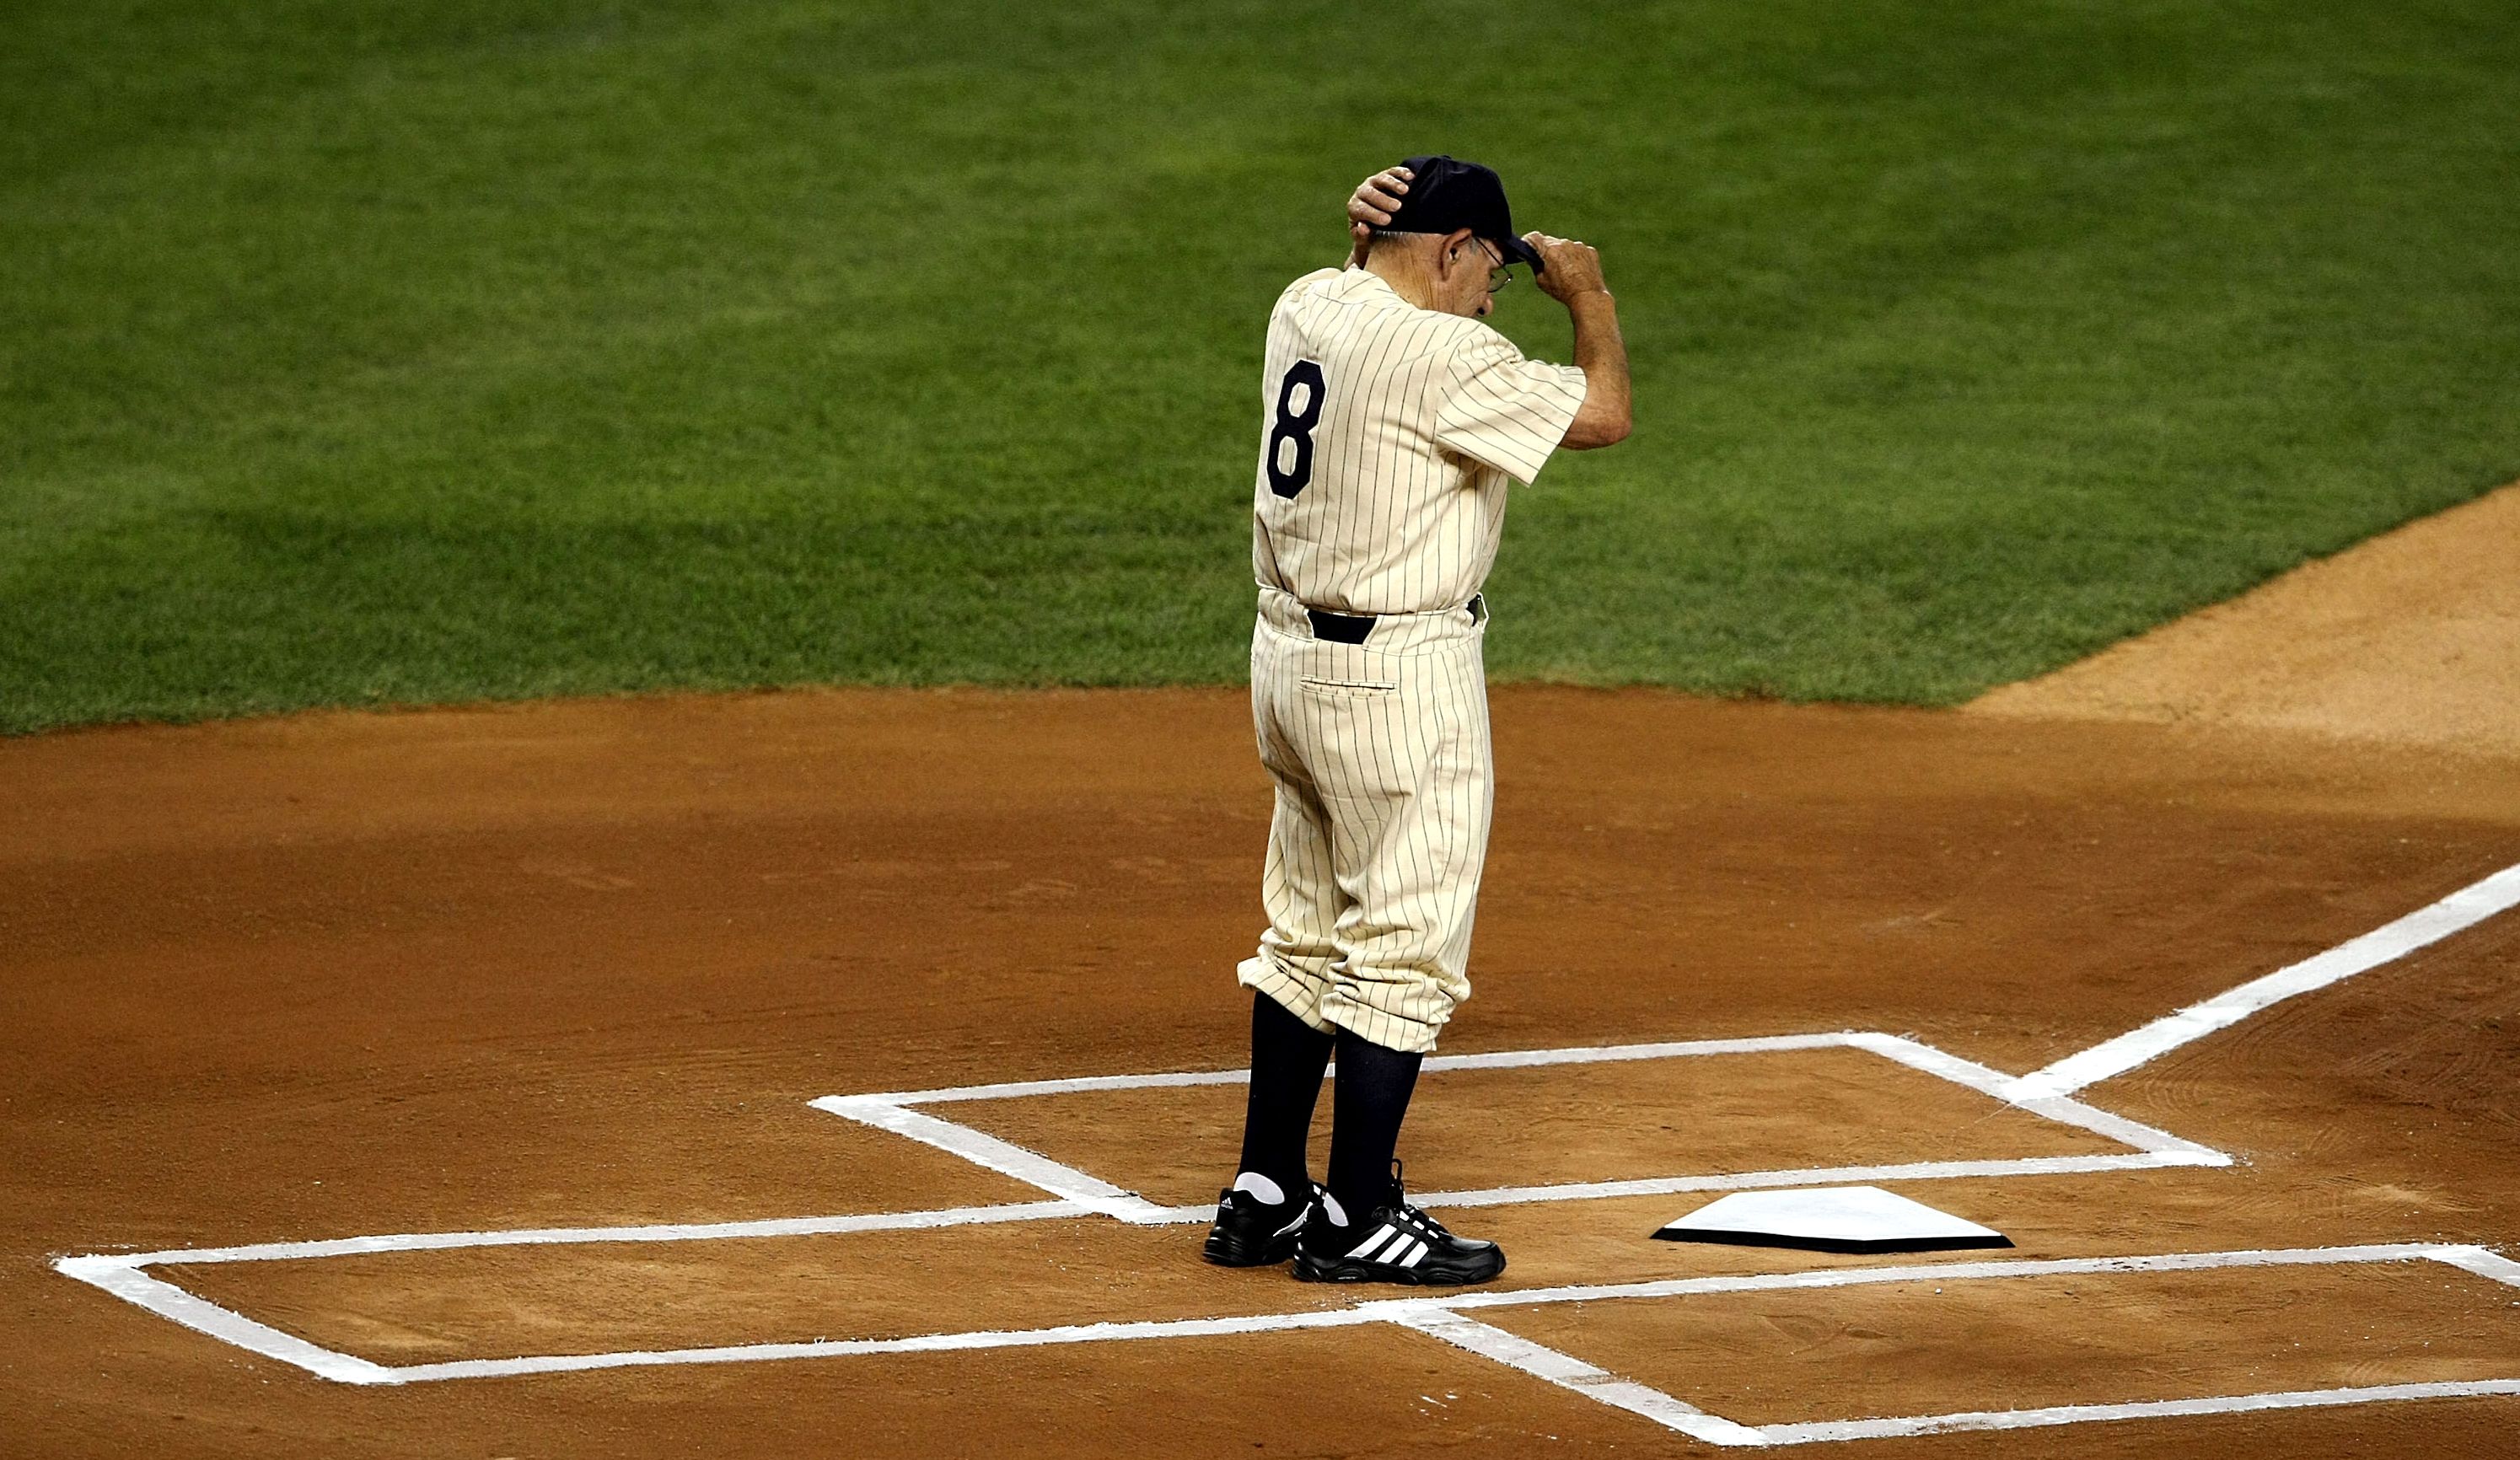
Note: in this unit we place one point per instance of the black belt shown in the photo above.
(1351, 628)
(1340, 627)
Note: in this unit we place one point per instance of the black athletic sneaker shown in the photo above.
(1397, 1244)
(1251, 1233)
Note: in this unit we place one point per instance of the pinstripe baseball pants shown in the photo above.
(1382, 764)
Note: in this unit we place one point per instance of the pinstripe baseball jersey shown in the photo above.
(1390, 435)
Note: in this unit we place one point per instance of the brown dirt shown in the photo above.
(2410, 638)
(1482, 1128)
(1927, 1347)
(584, 964)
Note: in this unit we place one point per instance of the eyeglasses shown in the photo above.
(1499, 275)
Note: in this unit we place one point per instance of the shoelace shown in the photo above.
(1428, 1227)
(1410, 1211)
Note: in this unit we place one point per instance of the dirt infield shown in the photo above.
(585, 964)
(2411, 638)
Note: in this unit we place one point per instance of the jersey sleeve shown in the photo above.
(1305, 283)
(1504, 411)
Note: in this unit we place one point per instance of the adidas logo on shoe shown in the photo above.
(1398, 1243)
(1257, 1223)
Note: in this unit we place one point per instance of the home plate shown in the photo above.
(1830, 1219)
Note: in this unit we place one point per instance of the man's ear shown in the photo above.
(1453, 243)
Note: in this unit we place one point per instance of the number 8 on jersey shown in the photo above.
(1291, 437)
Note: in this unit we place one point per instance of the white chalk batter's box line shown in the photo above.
(898, 1113)
(1072, 1193)
(1449, 1319)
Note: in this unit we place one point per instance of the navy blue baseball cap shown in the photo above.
(1446, 193)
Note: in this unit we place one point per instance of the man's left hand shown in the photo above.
(1371, 205)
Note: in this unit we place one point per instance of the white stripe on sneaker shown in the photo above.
(1417, 1250)
(1365, 1251)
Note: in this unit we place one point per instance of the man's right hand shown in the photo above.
(1570, 268)
(1573, 278)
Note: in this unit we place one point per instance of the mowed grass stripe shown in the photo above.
(360, 353)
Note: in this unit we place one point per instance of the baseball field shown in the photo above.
(368, 353)
(626, 805)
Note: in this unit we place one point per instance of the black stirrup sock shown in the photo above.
(1367, 1105)
(1287, 1057)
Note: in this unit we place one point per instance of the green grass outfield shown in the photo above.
(359, 351)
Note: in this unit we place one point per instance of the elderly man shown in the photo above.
(1393, 423)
